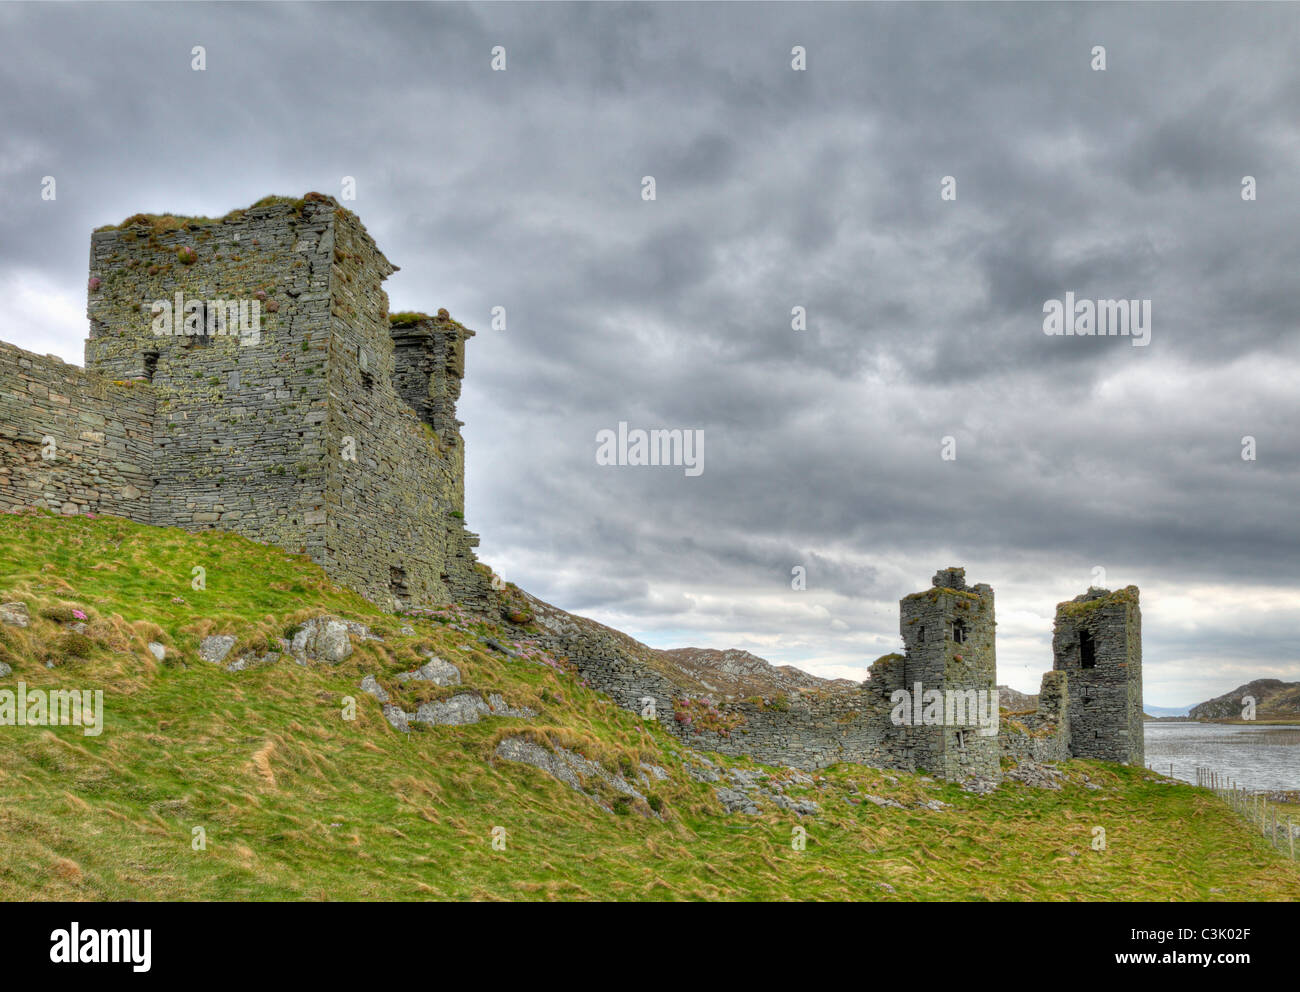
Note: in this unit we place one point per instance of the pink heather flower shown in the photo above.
(79, 615)
(94, 283)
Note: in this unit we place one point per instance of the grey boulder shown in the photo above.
(14, 614)
(213, 649)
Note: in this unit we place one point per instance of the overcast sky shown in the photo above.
(775, 189)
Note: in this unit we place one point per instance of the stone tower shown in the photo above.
(327, 428)
(948, 637)
(1098, 642)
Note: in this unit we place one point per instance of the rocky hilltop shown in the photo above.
(738, 673)
(1014, 701)
(722, 674)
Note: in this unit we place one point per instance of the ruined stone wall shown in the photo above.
(429, 364)
(809, 731)
(1106, 697)
(102, 434)
(1045, 734)
(805, 731)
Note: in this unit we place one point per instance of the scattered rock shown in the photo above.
(213, 649)
(979, 786)
(397, 717)
(1035, 775)
(371, 685)
(735, 801)
(15, 614)
(748, 787)
(804, 807)
(157, 650)
(882, 801)
(251, 660)
(745, 779)
(496, 646)
(5, 670)
(322, 639)
(567, 766)
(468, 707)
(435, 670)
(655, 772)
(701, 774)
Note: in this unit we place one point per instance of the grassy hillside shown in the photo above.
(299, 803)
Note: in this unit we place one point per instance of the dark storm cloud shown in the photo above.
(776, 189)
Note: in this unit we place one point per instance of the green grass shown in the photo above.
(298, 803)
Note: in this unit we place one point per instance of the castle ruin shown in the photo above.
(327, 426)
(329, 430)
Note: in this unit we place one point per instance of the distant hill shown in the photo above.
(1274, 700)
(1158, 711)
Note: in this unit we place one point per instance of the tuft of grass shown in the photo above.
(407, 318)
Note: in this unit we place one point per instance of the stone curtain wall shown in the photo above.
(1105, 700)
(102, 432)
(803, 731)
(239, 442)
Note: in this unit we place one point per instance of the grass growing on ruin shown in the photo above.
(298, 803)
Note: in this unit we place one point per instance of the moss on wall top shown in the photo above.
(1096, 599)
(160, 223)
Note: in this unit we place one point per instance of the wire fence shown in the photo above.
(1254, 807)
